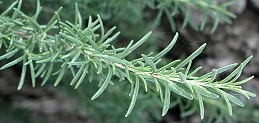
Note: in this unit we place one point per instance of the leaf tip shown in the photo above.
(19, 88)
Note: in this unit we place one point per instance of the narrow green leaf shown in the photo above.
(225, 68)
(242, 65)
(33, 81)
(191, 57)
(167, 49)
(234, 99)
(170, 19)
(18, 23)
(75, 29)
(57, 16)
(100, 67)
(158, 87)
(104, 85)
(236, 71)
(45, 60)
(157, 19)
(11, 42)
(225, 17)
(228, 14)
(134, 97)
(9, 54)
(37, 10)
(72, 39)
(75, 58)
(131, 89)
(50, 69)
(247, 94)
(42, 38)
(72, 70)
(1, 44)
(219, 70)
(79, 72)
(76, 14)
(54, 18)
(126, 51)
(95, 28)
(179, 90)
(186, 17)
(182, 77)
(229, 3)
(43, 73)
(91, 74)
(109, 32)
(64, 25)
(243, 81)
(203, 91)
(114, 69)
(201, 106)
(70, 54)
(239, 71)
(141, 41)
(226, 100)
(34, 24)
(169, 65)
(14, 62)
(247, 60)
(48, 27)
(189, 86)
(149, 62)
(119, 73)
(204, 20)
(89, 22)
(15, 14)
(166, 100)
(231, 75)
(56, 55)
(112, 59)
(194, 72)
(109, 40)
(102, 29)
(188, 68)
(61, 74)
(215, 25)
(23, 74)
(93, 44)
(183, 80)
(82, 77)
(158, 61)
(41, 69)
(213, 75)
(9, 9)
(145, 82)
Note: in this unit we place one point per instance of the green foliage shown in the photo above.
(208, 8)
(144, 14)
(60, 48)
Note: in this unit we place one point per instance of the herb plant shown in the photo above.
(58, 48)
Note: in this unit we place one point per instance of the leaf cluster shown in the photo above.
(87, 52)
(208, 8)
(114, 11)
